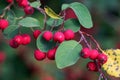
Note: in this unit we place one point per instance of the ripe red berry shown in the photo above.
(85, 53)
(9, 1)
(2, 57)
(28, 10)
(102, 58)
(47, 35)
(36, 33)
(39, 55)
(13, 44)
(51, 54)
(69, 34)
(26, 39)
(59, 37)
(3, 24)
(92, 66)
(18, 39)
(22, 3)
(93, 54)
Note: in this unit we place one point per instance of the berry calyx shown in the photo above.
(9, 1)
(59, 37)
(69, 34)
(13, 44)
(18, 39)
(85, 53)
(3, 24)
(28, 10)
(39, 55)
(93, 54)
(51, 54)
(102, 58)
(47, 35)
(36, 33)
(2, 57)
(26, 39)
(92, 66)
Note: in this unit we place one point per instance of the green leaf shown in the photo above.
(44, 45)
(67, 53)
(72, 24)
(54, 22)
(29, 22)
(81, 12)
(11, 31)
(35, 4)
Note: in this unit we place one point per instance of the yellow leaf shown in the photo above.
(51, 13)
(112, 66)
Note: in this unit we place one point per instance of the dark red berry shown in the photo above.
(92, 66)
(93, 54)
(26, 39)
(47, 35)
(102, 58)
(69, 34)
(28, 10)
(23, 3)
(13, 44)
(59, 37)
(3, 24)
(36, 33)
(51, 54)
(85, 53)
(39, 55)
(18, 39)
(2, 57)
(9, 1)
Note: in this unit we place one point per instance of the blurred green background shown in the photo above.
(21, 65)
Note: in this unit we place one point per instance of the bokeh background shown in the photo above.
(19, 64)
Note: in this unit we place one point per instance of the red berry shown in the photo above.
(85, 53)
(18, 39)
(28, 10)
(2, 57)
(47, 35)
(26, 39)
(92, 66)
(51, 54)
(9, 1)
(93, 54)
(13, 44)
(102, 58)
(59, 37)
(22, 3)
(36, 33)
(3, 24)
(39, 55)
(69, 34)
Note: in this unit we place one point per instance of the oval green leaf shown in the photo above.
(35, 4)
(67, 53)
(29, 22)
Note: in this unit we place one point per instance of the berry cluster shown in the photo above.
(23, 39)
(98, 58)
(57, 37)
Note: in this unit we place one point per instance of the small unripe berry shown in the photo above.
(28, 10)
(36, 33)
(93, 54)
(26, 39)
(3, 24)
(2, 57)
(47, 35)
(85, 53)
(59, 37)
(51, 54)
(102, 58)
(13, 44)
(69, 34)
(92, 66)
(23, 3)
(18, 39)
(39, 55)
(9, 1)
